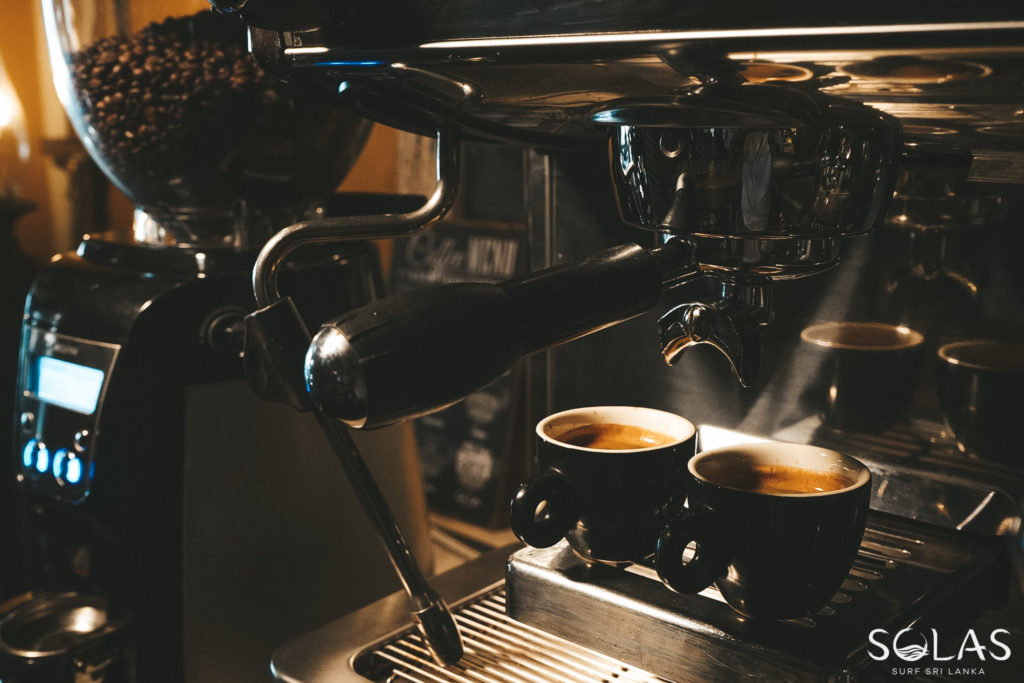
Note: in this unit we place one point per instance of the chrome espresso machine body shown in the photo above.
(784, 170)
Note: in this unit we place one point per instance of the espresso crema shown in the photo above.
(614, 437)
(777, 479)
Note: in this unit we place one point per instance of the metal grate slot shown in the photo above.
(502, 650)
(904, 573)
(498, 649)
(947, 579)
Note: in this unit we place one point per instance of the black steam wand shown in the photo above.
(429, 610)
(275, 341)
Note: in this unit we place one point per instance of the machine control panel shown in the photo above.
(61, 386)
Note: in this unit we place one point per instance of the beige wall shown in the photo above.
(22, 52)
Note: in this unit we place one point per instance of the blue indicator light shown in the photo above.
(28, 456)
(42, 459)
(73, 472)
(58, 462)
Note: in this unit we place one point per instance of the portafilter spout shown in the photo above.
(276, 340)
(733, 324)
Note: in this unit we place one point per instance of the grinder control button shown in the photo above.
(28, 455)
(81, 439)
(59, 458)
(67, 467)
(42, 458)
(73, 471)
(28, 422)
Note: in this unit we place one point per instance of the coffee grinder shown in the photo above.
(179, 527)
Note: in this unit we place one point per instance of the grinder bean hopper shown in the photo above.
(212, 150)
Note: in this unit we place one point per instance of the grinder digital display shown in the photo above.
(68, 385)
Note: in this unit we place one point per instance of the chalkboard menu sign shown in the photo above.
(471, 453)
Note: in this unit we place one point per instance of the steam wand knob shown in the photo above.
(733, 324)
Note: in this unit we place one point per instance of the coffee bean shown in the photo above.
(183, 116)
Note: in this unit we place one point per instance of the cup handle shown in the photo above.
(543, 509)
(710, 561)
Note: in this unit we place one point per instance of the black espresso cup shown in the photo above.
(870, 371)
(775, 526)
(981, 391)
(609, 479)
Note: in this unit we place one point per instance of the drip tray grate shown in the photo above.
(905, 574)
(498, 649)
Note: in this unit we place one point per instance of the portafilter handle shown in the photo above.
(417, 352)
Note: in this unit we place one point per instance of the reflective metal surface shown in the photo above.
(965, 286)
(919, 474)
(500, 649)
(349, 228)
(54, 624)
(537, 75)
(904, 575)
(824, 167)
(63, 638)
(732, 324)
(327, 654)
(429, 611)
(914, 568)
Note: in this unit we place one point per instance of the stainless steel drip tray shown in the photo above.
(328, 654)
(555, 619)
(378, 642)
(905, 574)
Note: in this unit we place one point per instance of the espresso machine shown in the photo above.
(177, 530)
(705, 185)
